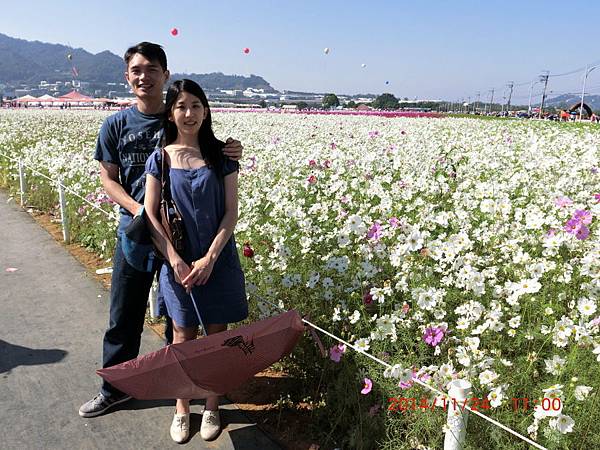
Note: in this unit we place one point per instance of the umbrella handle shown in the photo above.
(198, 314)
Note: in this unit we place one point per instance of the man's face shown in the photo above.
(146, 77)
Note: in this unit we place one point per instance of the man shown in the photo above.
(126, 140)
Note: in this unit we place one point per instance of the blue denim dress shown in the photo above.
(200, 197)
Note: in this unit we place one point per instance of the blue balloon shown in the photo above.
(387, 82)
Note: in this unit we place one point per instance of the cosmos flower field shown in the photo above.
(449, 248)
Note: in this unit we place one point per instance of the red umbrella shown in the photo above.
(212, 365)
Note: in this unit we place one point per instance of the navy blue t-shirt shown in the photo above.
(127, 139)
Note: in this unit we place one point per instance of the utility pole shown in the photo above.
(585, 75)
(477, 101)
(491, 102)
(543, 79)
(511, 85)
(530, 93)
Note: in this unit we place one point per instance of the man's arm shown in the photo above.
(233, 149)
(109, 175)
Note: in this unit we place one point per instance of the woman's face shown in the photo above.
(188, 113)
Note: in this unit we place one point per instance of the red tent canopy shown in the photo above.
(75, 96)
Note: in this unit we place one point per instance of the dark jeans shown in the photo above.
(128, 299)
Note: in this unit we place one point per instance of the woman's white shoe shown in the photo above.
(180, 428)
(211, 425)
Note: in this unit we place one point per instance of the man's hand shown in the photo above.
(233, 149)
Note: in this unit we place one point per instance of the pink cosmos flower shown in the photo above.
(367, 386)
(252, 163)
(433, 335)
(312, 179)
(373, 134)
(572, 226)
(597, 197)
(312, 163)
(594, 170)
(327, 164)
(394, 222)
(333, 146)
(336, 352)
(583, 216)
(408, 384)
(595, 322)
(550, 232)
(582, 233)
(563, 202)
(367, 298)
(375, 231)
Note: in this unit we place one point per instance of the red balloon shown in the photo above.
(246, 50)
(174, 31)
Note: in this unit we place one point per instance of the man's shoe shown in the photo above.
(100, 404)
(180, 428)
(211, 425)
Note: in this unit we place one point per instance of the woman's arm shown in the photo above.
(202, 268)
(159, 234)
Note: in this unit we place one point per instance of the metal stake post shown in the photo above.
(22, 183)
(63, 211)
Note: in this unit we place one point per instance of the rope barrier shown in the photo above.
(58, 183)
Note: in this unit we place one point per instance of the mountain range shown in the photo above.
(25, 62)
(568, 100)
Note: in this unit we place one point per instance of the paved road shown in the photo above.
(52, 319)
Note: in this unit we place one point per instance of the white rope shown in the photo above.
(58, 183)
(416, 380)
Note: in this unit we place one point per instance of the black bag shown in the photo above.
(170, 216)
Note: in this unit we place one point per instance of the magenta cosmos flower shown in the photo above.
(433, 335)
(375, 231)
(367, 386)
(336, 352)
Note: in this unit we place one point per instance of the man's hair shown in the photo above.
(152, 52)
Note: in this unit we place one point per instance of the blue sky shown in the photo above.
(433, 49)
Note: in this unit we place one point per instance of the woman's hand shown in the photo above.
(181, 270)
(233, 149)
(200, 273)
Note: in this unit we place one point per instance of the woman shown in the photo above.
(204, 187)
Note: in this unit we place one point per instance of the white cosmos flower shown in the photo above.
(355, 317)
(562, 423)
(415, 241)
(496, 396)
(554, 365)
(362, 344)
(487, 377)
(581, 392)
(586, 306)
(393, 371)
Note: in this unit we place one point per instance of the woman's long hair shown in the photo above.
(210, 146)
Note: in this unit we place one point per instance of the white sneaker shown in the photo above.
(211, 425)
(180, 428)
